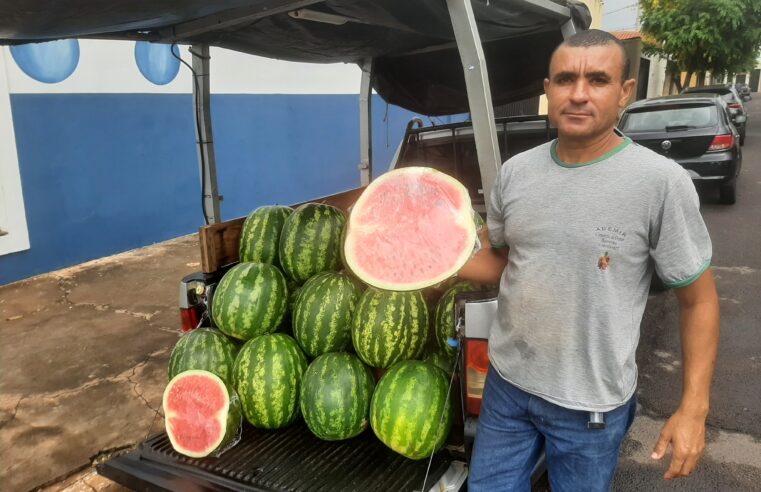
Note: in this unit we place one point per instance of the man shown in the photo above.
(586, 219)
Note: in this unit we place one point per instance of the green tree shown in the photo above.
(698, 36)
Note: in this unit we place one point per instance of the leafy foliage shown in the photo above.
(720, 36)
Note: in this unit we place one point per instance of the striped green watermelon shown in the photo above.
(203, 349)
(335, 396)
(441, 359)
(250, 300)
(389, 326)
(444, 315)
(202, 414)
(410, 412)
(260, 237)
(267, 374)
(311, 240)
(322, 313)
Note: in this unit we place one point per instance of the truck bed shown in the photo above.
(285, 460)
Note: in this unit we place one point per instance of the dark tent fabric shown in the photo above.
(416, 64)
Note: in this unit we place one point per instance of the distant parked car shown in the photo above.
(737, 112)
(695, 131)
(744, 91)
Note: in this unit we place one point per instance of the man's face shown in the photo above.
(585, 91)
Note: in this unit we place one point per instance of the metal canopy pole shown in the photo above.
(365, 124)
(479, 93)
(204, 137)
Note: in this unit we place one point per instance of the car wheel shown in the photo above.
(728, 193)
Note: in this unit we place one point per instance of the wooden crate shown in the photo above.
(219, 242)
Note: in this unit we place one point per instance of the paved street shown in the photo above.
(733, 456)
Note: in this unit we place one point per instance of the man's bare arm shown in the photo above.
(487, 264)
(685, 430)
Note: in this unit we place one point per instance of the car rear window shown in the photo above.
(661, 119)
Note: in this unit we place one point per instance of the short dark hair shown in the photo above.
(596, 37)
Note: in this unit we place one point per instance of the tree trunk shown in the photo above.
(701, 79)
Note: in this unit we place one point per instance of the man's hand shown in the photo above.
(685, 432)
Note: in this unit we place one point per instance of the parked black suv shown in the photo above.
(695, 131)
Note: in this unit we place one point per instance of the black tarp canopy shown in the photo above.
(416, 64)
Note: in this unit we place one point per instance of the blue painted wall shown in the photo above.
(105, 173)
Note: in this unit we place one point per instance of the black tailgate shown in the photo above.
(286, 460)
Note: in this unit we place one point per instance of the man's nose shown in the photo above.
(579, 91)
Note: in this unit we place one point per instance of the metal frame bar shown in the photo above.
(546, 8)
(232, 17)
(204, 137)
(365, 124)
(479, 92)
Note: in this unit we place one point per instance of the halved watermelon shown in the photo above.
(202, 414)
(411, 228)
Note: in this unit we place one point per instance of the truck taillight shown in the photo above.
(722, 142)
(189, 318)
(735, 105)
(476, 367)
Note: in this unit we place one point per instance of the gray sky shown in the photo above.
(619, 15)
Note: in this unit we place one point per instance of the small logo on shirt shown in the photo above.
(603, 262)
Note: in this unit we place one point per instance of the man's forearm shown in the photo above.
(699, 314)
(700, 341)
(485, 267)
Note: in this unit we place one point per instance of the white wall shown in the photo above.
(109, 67)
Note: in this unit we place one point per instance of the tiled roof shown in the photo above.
(623, 35)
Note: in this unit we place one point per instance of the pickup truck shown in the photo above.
(429, 57)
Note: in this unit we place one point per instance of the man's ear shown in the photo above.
(626, 92)
(546, 85)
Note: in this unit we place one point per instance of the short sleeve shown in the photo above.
(679, 242)
(495, 218)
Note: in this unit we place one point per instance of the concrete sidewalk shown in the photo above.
(83, 355)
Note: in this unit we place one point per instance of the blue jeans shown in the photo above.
(513, 428)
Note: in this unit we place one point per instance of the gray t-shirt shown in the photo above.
(583, 242)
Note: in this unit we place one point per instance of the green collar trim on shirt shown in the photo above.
(611, 153)
(690, 279)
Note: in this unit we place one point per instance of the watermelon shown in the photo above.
(411, 228)
(444, 322)
(202, 414)
(310, 241)
(389, 326)
(322, 313)
(250, 300)
(260, 237)
(267, 374)
(410, 411)
(204, 349)
(441, 359)
(335, 396)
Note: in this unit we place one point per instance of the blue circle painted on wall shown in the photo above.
(49, 62)
(156, 62)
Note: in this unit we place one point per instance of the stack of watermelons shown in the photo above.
(314, 339)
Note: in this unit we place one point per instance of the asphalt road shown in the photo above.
(732, 461)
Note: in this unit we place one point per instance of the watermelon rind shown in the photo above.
(250, 300)
(229, 416)
(322, 313)
(464, 219)
(268, 374)
(410, 411)
(310, 241)
(260, 236)
(205, 349)
(335, 396)
(444, 322)
(389, 326)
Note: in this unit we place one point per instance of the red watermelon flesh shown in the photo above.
(201, 413)
(411, 228)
